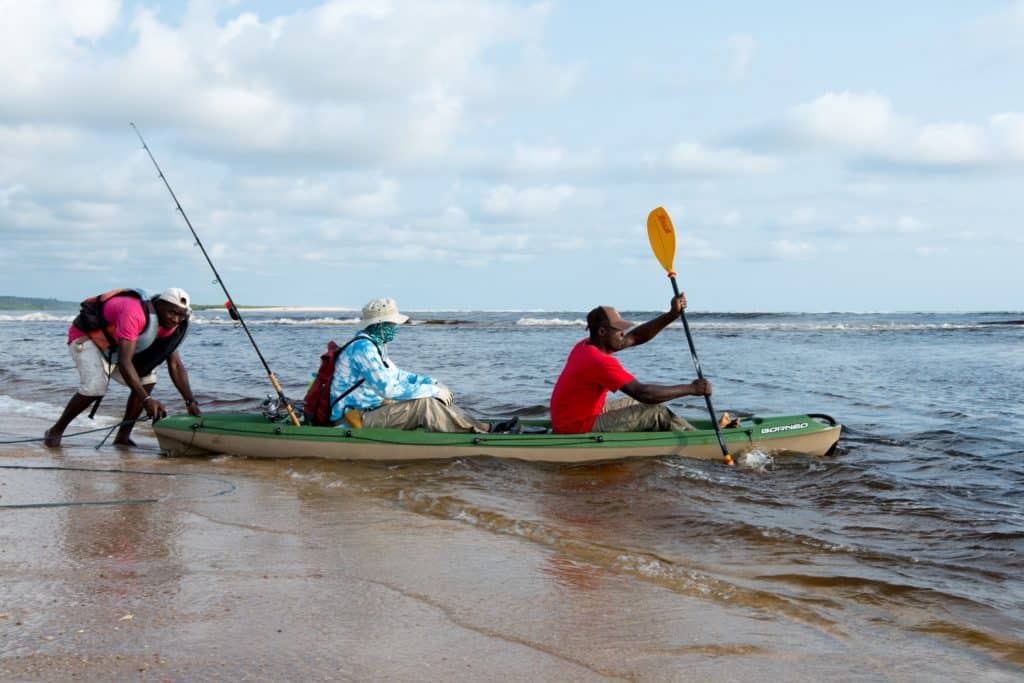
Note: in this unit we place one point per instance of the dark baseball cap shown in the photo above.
(606, 316)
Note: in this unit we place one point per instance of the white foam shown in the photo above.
(224, 320)
(36, 317)
(50, 412)
(756, 460)
(831, 326)
(551, 322)
(298, 309)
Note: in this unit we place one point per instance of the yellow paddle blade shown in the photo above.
(663, 238)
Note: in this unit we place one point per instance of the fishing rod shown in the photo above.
(232, 309)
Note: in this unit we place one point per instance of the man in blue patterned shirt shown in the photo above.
(385, 396)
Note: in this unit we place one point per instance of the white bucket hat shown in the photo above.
(176, 296)
(382, 311)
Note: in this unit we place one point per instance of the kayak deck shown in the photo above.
(254, 436)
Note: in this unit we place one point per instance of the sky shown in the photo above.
(505, 155)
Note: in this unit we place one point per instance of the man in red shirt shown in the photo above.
(125, 335)
(578, 400)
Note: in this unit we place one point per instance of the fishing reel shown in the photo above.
(274, 410)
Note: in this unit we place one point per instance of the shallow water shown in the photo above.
(906, 544)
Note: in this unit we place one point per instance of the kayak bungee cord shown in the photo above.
(232, 309)
(502, 440)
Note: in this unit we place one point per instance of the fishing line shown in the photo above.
(228, 486)
(232, 309)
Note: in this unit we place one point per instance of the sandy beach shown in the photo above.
(122, 565)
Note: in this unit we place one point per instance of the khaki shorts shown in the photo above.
(629, 415)
(428, 413)
(94, 370)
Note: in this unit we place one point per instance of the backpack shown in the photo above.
(317, 405)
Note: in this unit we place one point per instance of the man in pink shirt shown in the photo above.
(578, 400)
(125, 335)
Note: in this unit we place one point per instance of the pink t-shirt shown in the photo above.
(579, 394)
(128, 317)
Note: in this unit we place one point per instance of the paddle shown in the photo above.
(663, 242)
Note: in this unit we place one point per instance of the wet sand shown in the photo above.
(136, 567)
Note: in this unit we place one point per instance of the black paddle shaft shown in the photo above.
(700, 374)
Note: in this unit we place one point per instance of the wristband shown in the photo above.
(190, 401)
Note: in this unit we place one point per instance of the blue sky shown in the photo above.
(504, 155)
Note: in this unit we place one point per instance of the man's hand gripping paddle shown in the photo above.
(663, 242)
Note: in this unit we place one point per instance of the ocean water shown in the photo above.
(910, 536)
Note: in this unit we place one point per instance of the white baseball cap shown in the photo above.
(176, 296)
(382, 311)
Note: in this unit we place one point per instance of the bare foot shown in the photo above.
(51, 440)
(126, 443)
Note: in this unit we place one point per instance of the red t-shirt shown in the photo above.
(579, 394)
(128, 317)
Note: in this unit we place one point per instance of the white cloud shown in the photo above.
(341, 80)
(1008, 130)
(909, 225)
(861, 225)
(865, 189)
(444, 129)
(1001, 29)
(950, 144)
(873, 225)
(6, 193)
(553, 158)
(865, 124)
(731, 219)
(694, 158)
(421, 241)
(33, 140)
(90, 19)
(351, 195)
(529, 202)
(807, 220)
(381, 201)
(804, 216)
(451, 218)
(788, 250)
(697, 249)
(741, 48)
(849, 119)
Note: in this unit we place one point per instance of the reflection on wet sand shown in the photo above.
(114, 532)
(407, 572)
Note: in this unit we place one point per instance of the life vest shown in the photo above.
(91, 320)
(149, 350)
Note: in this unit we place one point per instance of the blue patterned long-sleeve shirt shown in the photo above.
(360, 360)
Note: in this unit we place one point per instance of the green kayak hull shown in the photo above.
(254, 436)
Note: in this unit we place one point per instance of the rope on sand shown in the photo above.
(228, 486)
(88, 431)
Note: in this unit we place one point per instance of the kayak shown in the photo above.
(252, 435)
